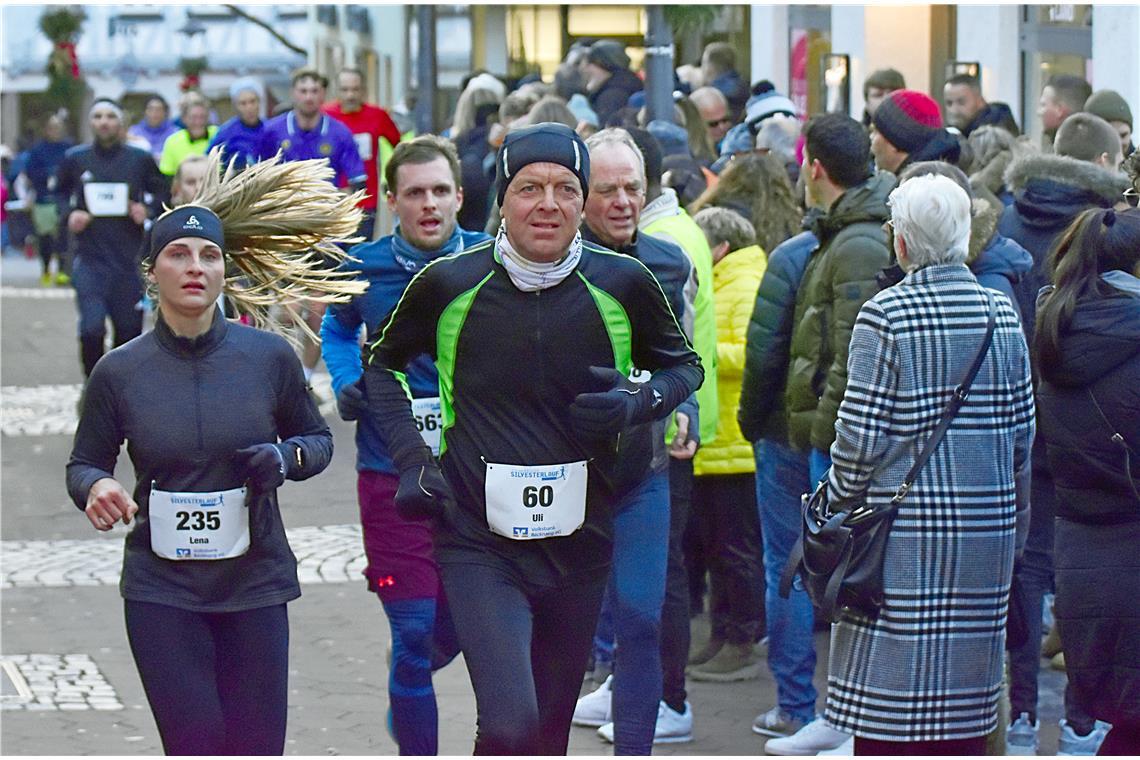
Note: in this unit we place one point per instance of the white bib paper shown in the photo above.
(363, 146)
(429, 420)
(106, 198)
(199, 525)
(530, 502)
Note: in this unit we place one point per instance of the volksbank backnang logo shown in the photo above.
(192, 223)
(521, 531)
(553, 474)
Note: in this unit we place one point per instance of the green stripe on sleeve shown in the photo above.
(447, 331)
(616, 320)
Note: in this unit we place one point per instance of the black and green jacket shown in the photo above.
(510, 365)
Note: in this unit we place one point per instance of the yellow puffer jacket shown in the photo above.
(736, 278)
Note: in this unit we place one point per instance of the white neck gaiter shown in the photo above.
(531, 276)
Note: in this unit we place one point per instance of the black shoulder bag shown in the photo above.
(839, 555)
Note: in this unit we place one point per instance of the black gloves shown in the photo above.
(351, 402)
(423, 492)
(265, 465)
(617, 404)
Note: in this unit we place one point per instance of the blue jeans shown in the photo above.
(634, 597)
(782, 476)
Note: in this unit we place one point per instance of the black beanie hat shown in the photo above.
(550, 142)
(185, 221)
(609, 54)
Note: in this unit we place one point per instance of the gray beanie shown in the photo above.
(1110, 106)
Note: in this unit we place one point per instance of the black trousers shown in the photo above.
(526, 647)
(675, 611)
(217, 683)
(724, 507)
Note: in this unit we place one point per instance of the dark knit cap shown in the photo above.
(908, 119)
(608, 54)
(185, 221)
(1110, 106)
(546, 142)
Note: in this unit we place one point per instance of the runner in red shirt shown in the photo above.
(369, 124)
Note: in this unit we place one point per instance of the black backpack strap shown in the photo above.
(792, 566)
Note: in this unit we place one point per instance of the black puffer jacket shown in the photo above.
(1100, 353)
(614, 94)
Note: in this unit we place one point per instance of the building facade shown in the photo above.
(127, 52)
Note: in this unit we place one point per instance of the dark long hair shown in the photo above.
(1098, 241)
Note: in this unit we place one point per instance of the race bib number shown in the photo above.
(429, 421)
(532, 502)
(201, 526)
(363, 146)
(106, 198)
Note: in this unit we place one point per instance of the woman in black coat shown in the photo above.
(1088, 348)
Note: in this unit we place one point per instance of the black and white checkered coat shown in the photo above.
(930, 667)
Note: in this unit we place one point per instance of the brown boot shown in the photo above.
(734, 662)
(699, 656)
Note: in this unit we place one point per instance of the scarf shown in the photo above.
(530, 276)
(412, 259)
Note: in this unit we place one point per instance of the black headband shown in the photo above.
(185, 221)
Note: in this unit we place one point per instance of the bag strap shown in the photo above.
(1118, 439)
(961, 393)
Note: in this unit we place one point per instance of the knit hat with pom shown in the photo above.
(908, 119)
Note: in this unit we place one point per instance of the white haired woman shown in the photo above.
(216, 417)
(924, 675)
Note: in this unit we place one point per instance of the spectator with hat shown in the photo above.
(907, 127)
(1108, 105)
(240, 137)
(609, 82)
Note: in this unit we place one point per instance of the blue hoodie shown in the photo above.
(388, 268)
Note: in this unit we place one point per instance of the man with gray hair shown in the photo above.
(713, 107)
(647, 532)
(241, 135)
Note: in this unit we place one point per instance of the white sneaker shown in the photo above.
(672, 727)
(817, 736)
(596, 708)
(1021, 737)
(846, 749)
(1072, 743)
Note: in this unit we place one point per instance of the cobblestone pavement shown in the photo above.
(325, 554)
(57, 682)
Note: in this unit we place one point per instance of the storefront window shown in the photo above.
(809, 44)
(1056, 39)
